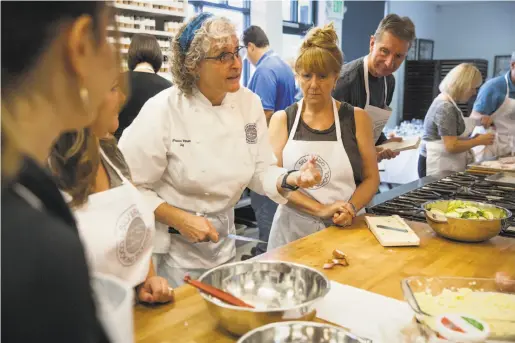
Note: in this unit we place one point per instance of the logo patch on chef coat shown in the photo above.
(251, 133)
(133, 236)
(322, 166)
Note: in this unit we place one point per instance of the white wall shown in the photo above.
(269, 16)
(480, 29)
(423, 15)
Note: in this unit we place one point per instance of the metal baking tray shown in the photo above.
(503, 179)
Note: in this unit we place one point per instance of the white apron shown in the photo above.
(337, 182)
(114, 299)
(439, 159)
(504, 121)
(117, 227)
(378, 115)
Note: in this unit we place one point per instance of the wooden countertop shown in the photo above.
(372, 267)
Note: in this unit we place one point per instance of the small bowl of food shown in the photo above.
(277, 291)
(465, 221)
(482, 300)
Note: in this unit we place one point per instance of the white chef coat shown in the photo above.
(186, 152)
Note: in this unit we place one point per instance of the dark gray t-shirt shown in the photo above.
(114, 154)
(348, 130)
(442, 119)
(350, 88)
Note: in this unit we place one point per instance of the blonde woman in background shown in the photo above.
(446, 144)
(57, 67)
(115, 224)
(337, 135)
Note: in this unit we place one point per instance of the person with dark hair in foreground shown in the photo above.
(145, 60)
(368, 82)
(274, 82)
(46, 291)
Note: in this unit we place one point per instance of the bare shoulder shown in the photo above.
(278, 119)
(361, 115)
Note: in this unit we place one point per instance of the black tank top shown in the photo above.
(348, 130)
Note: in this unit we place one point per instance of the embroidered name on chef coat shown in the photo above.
(322, 166)
(251, 133)
(132, 235)
(181, 142)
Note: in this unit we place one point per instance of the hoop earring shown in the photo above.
(84, 97)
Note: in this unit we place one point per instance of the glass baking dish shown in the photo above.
(430, 297)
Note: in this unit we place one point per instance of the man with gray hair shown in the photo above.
(368, 82)
(495, 107)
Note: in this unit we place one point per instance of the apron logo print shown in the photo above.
(322, 166)
(133, 236)
(251, 133)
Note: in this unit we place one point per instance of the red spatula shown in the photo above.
(217, 293)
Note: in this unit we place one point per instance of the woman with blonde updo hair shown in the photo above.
(338, 136)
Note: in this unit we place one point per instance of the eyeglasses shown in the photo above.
(229, 57)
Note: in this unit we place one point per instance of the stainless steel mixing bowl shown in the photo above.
(299, 332)
(465, 230)
(279, 291)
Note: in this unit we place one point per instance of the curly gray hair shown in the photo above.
(214, 32)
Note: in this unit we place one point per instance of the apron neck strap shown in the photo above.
(367, 87)
(298, 116)
(108, 161)
(451, 100)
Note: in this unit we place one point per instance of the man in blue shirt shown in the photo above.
(495, 106)
(273, 81)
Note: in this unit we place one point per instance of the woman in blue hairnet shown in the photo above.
(195, 147)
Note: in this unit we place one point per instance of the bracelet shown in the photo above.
(353, 208)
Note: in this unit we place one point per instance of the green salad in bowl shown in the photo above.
(466, 221)
(467, 210)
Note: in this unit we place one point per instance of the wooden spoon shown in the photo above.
(217, 293)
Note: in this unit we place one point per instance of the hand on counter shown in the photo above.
(197, 229)
(504, 282)
(343, 218)
(328, 211)
(155, 289)
(341, 212)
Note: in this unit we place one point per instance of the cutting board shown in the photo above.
(407, 144)
(391, 238)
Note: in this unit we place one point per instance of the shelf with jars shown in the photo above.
(174, 8)
(161, 19)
